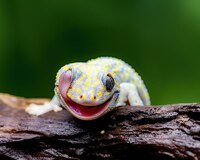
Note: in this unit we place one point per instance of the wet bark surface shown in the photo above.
(150, 132)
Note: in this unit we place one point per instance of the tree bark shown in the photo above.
(150, 132)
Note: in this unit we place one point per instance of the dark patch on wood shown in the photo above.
(162, 132)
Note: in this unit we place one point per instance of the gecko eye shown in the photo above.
(109, 83)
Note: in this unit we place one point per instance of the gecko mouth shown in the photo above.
(88, 112)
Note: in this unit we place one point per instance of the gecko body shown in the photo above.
(91, 89)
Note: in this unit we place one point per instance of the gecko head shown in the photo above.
(88, 92)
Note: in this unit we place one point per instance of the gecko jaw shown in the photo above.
(89, 113)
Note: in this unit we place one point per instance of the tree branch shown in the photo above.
(162, 132)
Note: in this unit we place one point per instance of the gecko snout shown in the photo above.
(93, 97)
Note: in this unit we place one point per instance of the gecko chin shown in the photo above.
(90, 112)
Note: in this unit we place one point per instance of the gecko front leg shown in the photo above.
(129, 93)
(53, 105)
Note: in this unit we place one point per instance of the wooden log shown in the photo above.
(159, 132)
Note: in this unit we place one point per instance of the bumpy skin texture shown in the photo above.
(80, 87)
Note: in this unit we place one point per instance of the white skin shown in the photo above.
(128, 94)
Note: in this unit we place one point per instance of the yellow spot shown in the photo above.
(83, 96)
(81, 78)
(91, 92)
(72, 96)
(69, 94)
(82, 66)
(93, 85)
(78, 90)
(72, 89)
(99, 94)
(87, 83)
(88, 73)
(84, 87)
(101, 87)
(107, 66)
(65, 68)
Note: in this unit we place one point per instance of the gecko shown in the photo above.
(89, 90)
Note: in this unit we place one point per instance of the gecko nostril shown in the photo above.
(95, 97)
(81, 97)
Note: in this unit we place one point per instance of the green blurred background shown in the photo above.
(160, 39)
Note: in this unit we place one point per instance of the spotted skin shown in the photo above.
(88, 89)
(125, 73)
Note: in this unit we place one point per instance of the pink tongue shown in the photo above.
(84, 110)
(64, 83)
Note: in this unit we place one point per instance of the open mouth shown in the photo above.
(86, 112)
(81, 111)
